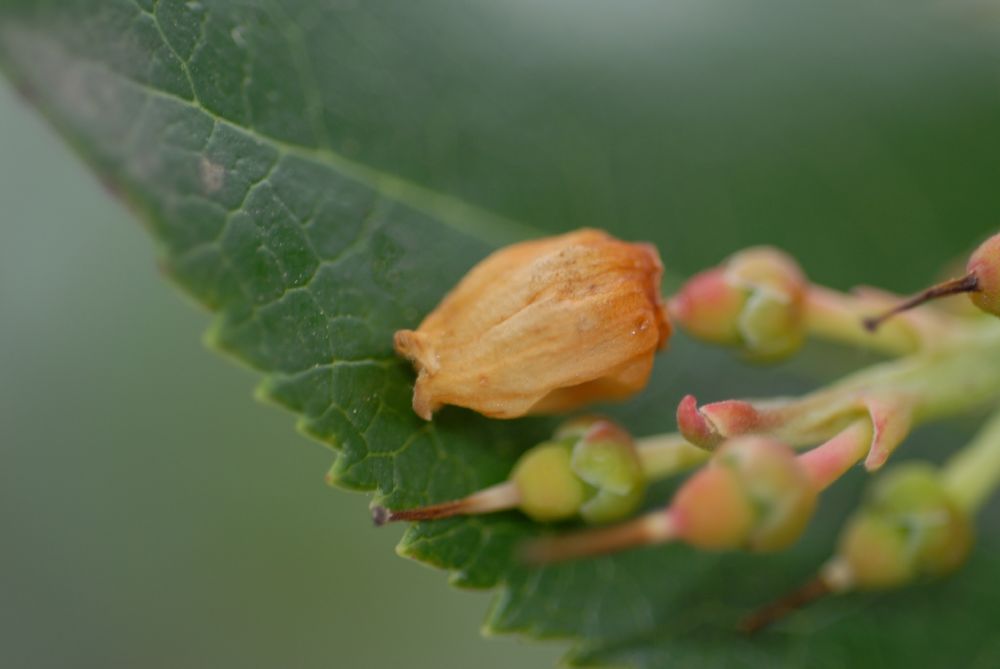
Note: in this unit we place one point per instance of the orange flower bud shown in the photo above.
(542, 326)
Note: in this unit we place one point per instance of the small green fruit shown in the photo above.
(549, 488)
(876, 551)
(591, 469)
(909, 527)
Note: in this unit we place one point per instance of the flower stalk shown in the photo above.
(981, 283)
(897, 395)
(966, 284)
(591, 469)
(873, 554)
(754, 494)
(973, 474)
(656, 458)
(834, 316)
(567, 334)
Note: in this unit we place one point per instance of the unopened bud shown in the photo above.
(754, 495)
(543, 326)
(591, 470)
(709, 306)
(754, 301)
(909, 527)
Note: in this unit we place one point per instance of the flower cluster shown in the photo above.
(550, 325)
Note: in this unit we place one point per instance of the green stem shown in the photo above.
(664, 455)
(942, 381)
(936, 383)
(973, 474)
(838, 317)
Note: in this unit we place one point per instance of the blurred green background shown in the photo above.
(151, 513)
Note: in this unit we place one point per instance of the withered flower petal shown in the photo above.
(542, 326)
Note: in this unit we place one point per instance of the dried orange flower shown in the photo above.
(542, 326)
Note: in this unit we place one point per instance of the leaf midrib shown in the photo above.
(452, 211)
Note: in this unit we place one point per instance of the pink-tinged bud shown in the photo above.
(754, 301)
(543, 326)
(712, 510)
(708, 307)
(753, 495)
(710, 425)
(984, 265)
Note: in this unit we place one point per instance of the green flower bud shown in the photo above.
(549, 488)
(755, 301)
(875, 550)
(909, 527)
(591, 469)
(754, 495)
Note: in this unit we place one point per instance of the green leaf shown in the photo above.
(307, 170)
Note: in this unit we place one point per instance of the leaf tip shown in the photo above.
(262, 393)
(380, 515)
(212, 337)
(331, 477)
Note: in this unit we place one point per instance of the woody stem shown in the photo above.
(495, 498)
(966, 284)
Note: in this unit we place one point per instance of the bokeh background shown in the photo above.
(152, 514)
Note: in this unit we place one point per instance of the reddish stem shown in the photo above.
(827, 462)
(495, 498)
(654, 528)
(808, 593)
(966, 284)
